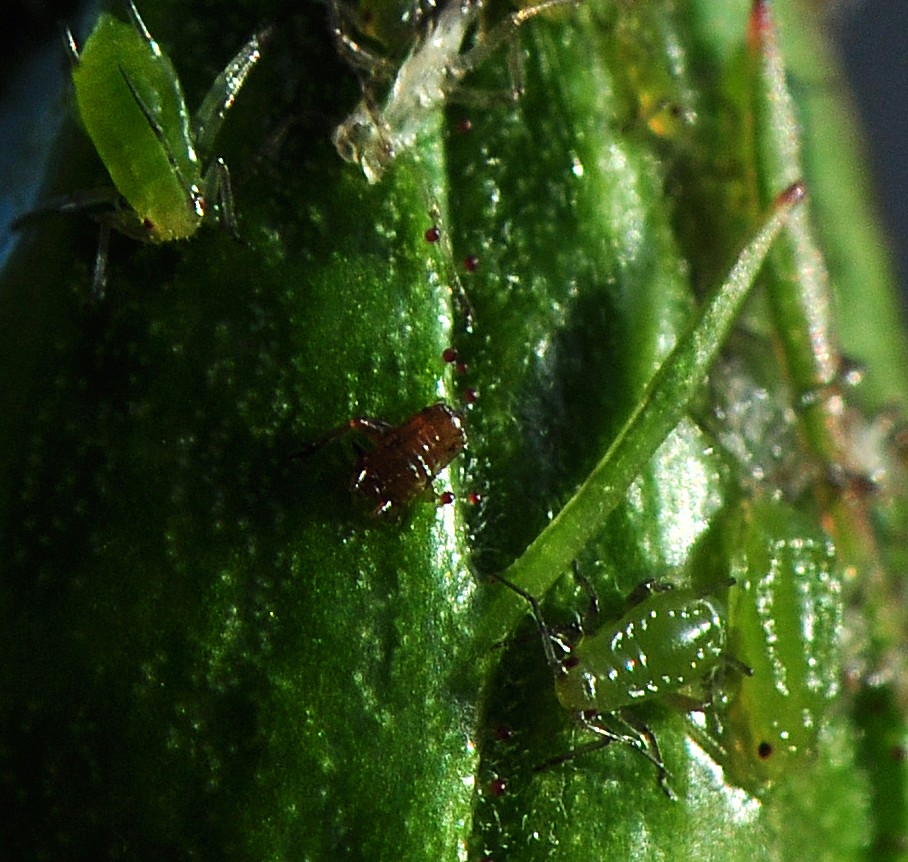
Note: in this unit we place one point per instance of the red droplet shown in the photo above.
(498, 787)
(504, 732)
(470, 262)
(471, 396)
(474, 498)
(432, 234)
(449, 354)
(465, 125)
(461, 368)
(446, 498)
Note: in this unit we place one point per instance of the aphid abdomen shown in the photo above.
(119, 77)
(669, 641)
(785, 619)
(407, 458)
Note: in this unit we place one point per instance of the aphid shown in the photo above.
(785, 621)
(132, 106)
(668, 642)
(405, 459)
(374, 135)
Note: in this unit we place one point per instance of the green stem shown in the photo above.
(660, 409)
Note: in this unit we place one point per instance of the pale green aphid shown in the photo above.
(378, 130)
(158, 156)
(668, 643)
(785, 620)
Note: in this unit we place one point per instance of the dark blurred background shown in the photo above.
(873, 36)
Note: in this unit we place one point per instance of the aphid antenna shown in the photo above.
(544, 632)
(137, 21)
(69, 45)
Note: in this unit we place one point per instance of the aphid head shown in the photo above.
(360, 139)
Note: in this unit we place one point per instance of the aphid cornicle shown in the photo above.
(669, 641)
(405, 459)
(132, 107)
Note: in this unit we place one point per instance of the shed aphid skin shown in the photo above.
(158, 156)
(376, 133)
(668, 642)
(404, 460)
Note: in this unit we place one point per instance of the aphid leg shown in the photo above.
(374, 429)
(218, 188)
(102, 205)
(638, 737)
(488, 42)
(591, 619)
(207, 120)
(358, 56)
(99, 277)
(544, 631)
(642, 739)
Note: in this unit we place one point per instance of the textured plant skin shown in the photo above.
(212, 651)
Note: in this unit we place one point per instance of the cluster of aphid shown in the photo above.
(669, 641)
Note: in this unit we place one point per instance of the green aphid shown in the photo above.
(785, 620)
(157, 154)
(670, 644)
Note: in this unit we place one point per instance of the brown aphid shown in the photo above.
(405, 458)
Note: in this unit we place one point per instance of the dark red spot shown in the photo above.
(148, 224)
(470, 263)
(764, 750)
(898, 754)
(570, 662)
(498, 787)
(474, 498)
(470, 395)
(461, 368)
(465, 125)
(504, 732)
(446, 498)
(432, 234)
(449, 354)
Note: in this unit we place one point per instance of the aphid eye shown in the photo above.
(570, 662)
(764, 750)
